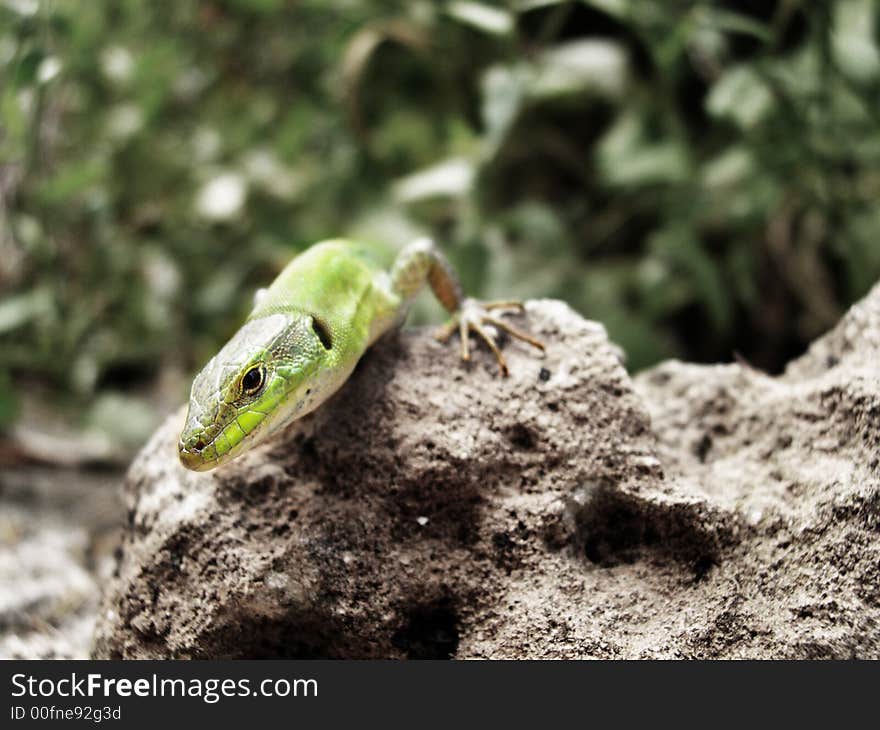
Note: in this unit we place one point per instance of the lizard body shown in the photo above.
(305, 335)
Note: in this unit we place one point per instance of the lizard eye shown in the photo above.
(252, 380)
(323, 333)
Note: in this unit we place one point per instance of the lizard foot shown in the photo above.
(471, 317)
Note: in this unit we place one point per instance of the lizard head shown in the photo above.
(259, 382)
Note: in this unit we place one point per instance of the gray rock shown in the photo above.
(57, 532)
(436, 510)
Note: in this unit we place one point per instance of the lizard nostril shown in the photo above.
(199, 445)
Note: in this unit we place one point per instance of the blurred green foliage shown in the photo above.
(702, 177)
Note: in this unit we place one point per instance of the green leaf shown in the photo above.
(503, 90)
(26, 69)
(448, 179)
(18, 310)
(626, 158)
(854, 42)
(593, 65)
(725, 20)
(741, 96)
(485, 18)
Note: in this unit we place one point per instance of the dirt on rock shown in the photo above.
(435, 510)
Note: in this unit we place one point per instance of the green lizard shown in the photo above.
(307, 332)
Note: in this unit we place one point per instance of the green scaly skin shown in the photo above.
(305, 335)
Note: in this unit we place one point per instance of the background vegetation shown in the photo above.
(700, 176)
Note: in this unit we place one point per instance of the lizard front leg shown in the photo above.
(421, 262)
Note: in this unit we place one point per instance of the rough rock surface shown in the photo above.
(436, 510)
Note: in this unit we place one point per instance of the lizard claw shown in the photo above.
(471, 317)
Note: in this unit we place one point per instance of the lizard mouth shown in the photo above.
(195, 460)
(202, 448)
(198, 451)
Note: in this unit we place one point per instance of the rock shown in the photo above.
(434, 510)
(57, 532)
(796, 457)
